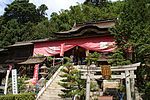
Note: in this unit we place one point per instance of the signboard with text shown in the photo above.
(14, 81)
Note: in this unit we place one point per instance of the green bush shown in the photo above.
(23, 96)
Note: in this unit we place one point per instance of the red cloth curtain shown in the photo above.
(51, 48)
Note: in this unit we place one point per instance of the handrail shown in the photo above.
(52, 71)
(49, 82)
(54, 67)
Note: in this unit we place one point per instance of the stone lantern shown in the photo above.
(44, 71)
(92, 67)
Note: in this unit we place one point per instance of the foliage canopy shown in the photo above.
(19, 21)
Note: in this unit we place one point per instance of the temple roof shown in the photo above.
(33, 60)
(18, 44)
(16, 53)
(98, 27)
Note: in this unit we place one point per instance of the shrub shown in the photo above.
(23, 96)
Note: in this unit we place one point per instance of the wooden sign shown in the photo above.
(106, 71)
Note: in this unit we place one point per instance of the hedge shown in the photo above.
(23, 96)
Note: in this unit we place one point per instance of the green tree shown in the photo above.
(65, 19)
(12, 32)
(132, 30)
(119, 58)
(42, 30)
(72, 82)
(9, 31)
(97, 2)
(41, 10)
(19, 21)
(24, 12)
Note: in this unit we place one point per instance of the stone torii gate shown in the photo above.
(128, 75)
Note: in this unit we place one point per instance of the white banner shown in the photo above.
(14, 81)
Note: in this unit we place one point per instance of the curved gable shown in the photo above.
(88, 29)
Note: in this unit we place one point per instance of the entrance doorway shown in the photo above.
(77, 55)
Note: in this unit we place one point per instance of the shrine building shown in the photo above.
(83, 38)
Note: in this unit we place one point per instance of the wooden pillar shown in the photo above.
(53, 61)
(87, 52)
(6, 83)
(128, 90)
(132, 85)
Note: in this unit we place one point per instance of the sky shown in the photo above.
(53, 5)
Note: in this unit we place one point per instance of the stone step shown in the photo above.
(55, 82)
(55, 86)
(53, 92)
(51, 98)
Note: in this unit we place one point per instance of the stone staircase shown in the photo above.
(52, 88)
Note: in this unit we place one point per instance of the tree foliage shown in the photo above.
(24, 12)
(22, 96)
(133, 30)
(20, 21)
(119, 58)
(42, 30)
(65, 19)
(72, 82)
(97, 2)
